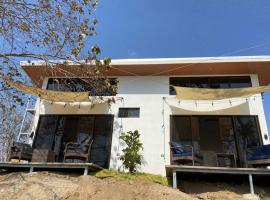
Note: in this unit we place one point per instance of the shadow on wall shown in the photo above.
(116, 149)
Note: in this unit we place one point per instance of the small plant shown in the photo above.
(131, 157)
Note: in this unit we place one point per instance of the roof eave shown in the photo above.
(151, 61)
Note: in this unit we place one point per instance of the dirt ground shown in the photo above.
(224, 191)
(55, 186)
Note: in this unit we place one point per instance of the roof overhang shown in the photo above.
(259, 65)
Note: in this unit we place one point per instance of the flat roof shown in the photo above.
(147, 61)
(233, 65)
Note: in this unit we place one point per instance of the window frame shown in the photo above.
(126, 112)
(52, 84)
(184, 81)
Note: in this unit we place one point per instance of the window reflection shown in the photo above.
(212, 135)
(210, 82)
(82, 85)
(54, 132)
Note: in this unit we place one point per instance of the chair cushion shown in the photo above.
(188, 153)
(77, 149)
(260, 153)
(83, 138)
(177, 148)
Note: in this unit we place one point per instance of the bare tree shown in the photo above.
(50, 30)
(56, 32)
(9, 127)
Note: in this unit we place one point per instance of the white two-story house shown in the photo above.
(145, 101)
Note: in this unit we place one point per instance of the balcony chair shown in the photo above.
(259, 156)
(79, 151)
(183, 153)
(21, 151)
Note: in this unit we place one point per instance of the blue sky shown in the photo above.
(183, 28)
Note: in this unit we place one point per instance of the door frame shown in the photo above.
(233, 124)
(78, 115)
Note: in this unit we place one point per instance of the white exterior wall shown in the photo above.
(256, 108)
(148, 94)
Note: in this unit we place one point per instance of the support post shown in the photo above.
(31, 170)
(85, 171)
(193, 156)
(251, 183)
(174, 180)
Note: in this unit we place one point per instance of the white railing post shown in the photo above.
(174, 180)
(85, 171)
(251, 183)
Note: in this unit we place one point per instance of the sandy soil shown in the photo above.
(210, 190)
(54, 186)
(49, 186)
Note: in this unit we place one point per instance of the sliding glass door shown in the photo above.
(101, 148)
(247, 134)
(213, 135)
(55, 131)
(46, 132)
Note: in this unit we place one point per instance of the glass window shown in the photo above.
(82, 85)
(198, 82)
(210, 82)
(46, 132)
(181, 129)
(247, 131)
(219, 82)
(240, 82)
(248, 136)
(129, 112)
(101, 147)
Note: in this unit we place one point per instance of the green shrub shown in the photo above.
(131, 153)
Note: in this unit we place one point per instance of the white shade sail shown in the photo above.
(205, 105)
(186, 93)
(182, 93)
(58, 96)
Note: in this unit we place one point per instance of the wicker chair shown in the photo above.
(79, 151)
(21, 151)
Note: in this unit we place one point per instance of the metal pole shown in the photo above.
(174, 180)
(27, 105)
(251, 183)
(24, 116)
(85, 171)
(31, 170)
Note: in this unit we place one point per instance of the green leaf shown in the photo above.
(131, 153)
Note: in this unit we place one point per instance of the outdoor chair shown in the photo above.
(259, 156)
(79, 151)
(21, 151)
(183, 153)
